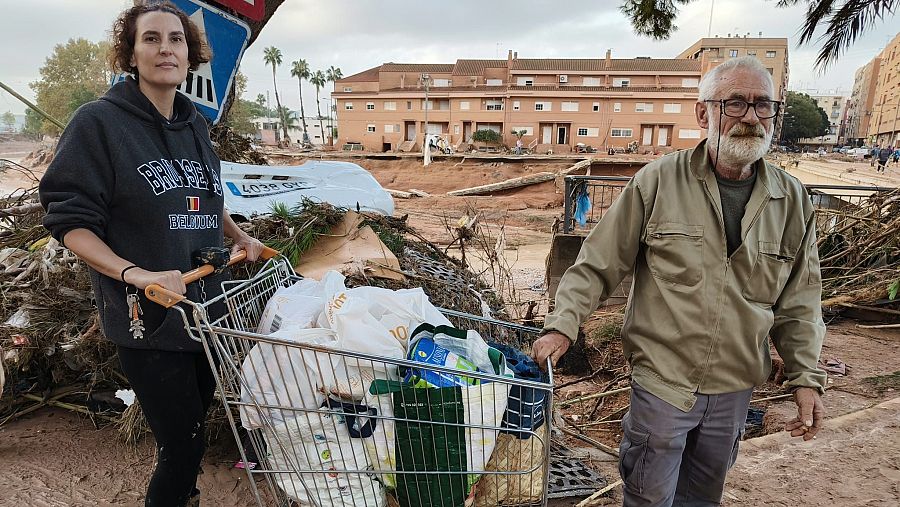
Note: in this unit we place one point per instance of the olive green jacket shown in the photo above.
(698, 321)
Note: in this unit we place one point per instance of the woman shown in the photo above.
(134, 190)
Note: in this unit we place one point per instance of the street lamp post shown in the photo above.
(426, 152)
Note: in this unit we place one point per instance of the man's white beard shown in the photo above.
(741, 146)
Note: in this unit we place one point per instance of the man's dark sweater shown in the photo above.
(735, 196)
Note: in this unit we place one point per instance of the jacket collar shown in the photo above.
(701, 167)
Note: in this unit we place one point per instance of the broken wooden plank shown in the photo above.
(398, 193)
(589, 501)
(419, 193)
(522, 181)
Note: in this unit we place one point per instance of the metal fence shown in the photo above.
(588, 197)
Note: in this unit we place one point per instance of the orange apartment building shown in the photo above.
(559, 103)
(859, 109)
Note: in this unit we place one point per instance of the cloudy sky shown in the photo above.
(358, 34)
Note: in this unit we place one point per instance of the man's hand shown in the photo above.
(552, 345)
(810, 414)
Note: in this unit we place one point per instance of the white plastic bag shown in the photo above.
(322, 442)
(285, 376)
(299, 304)
(379, 321)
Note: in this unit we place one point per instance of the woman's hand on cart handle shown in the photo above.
(169, 280)
(253, 248)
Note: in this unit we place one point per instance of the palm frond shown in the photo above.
(845, 24)
(652, 18)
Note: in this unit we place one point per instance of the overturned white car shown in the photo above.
(251, 190)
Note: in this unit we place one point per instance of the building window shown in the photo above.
(525, 81)
(643, 107)
(542, 106)
(751, 52)
(370, 106)
(516, 105)
(617, 107)
(690, 82)
(770, 54)
(570, 106)
(390, 106)
(621, 81)
(494, 82)
(596, 107)
(529, 131)
(588, 132)
(733, 53)
(440, 83)
(370, 128)
(620, 133)
(429, 104)
(494, 105)
(688, 134)
(582, 132)
(464, 105)
(444, 105)
(456, 129)
(591, 81)
(348, 106)
(348, 89)
(409, 105)
(388, 129)
(671, 108)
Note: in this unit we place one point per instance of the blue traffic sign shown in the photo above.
(227, 37)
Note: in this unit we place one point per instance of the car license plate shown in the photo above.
(258, 189)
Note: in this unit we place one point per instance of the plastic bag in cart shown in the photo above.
(437, 443)
(300, 304)
(318, 445)
(378, 321)
(285, 376)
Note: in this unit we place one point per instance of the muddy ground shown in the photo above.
(55, 457)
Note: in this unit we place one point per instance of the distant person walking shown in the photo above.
(883, 155)
(873, 155)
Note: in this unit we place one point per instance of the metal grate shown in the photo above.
(570, 477)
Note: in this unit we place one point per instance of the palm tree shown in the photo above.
(300, 70)
(272, 56)
(333, 74)
(318, 80)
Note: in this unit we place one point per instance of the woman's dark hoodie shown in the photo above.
(150, 189)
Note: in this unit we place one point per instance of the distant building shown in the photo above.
(559, 103)
(772, 52)
(268, 130)
(835, 106)
(859, 109)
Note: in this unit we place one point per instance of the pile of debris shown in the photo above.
(53, 352)
(859, 251)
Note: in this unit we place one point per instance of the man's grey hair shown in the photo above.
(709, 83)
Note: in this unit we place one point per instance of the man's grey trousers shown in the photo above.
(674, 458)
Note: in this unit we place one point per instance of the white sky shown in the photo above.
(359, 34)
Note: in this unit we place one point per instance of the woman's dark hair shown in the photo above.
(125, 29)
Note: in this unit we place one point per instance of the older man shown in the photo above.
(722, 247)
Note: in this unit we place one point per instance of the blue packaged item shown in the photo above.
(426, 351)
(525, 407)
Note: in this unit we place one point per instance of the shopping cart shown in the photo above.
(345, 432)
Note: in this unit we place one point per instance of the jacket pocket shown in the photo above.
(675, 253)
(633, 454)
(769, 274)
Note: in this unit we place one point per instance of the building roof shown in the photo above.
(364, 76)
(439, 68)
(438, 90)
(623, 89)
(599, 64)
(476, 67)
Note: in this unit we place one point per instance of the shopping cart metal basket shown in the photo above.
(347, 433)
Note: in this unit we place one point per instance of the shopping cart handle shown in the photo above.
(168, 299)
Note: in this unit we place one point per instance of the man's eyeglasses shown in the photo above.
(737, 108)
